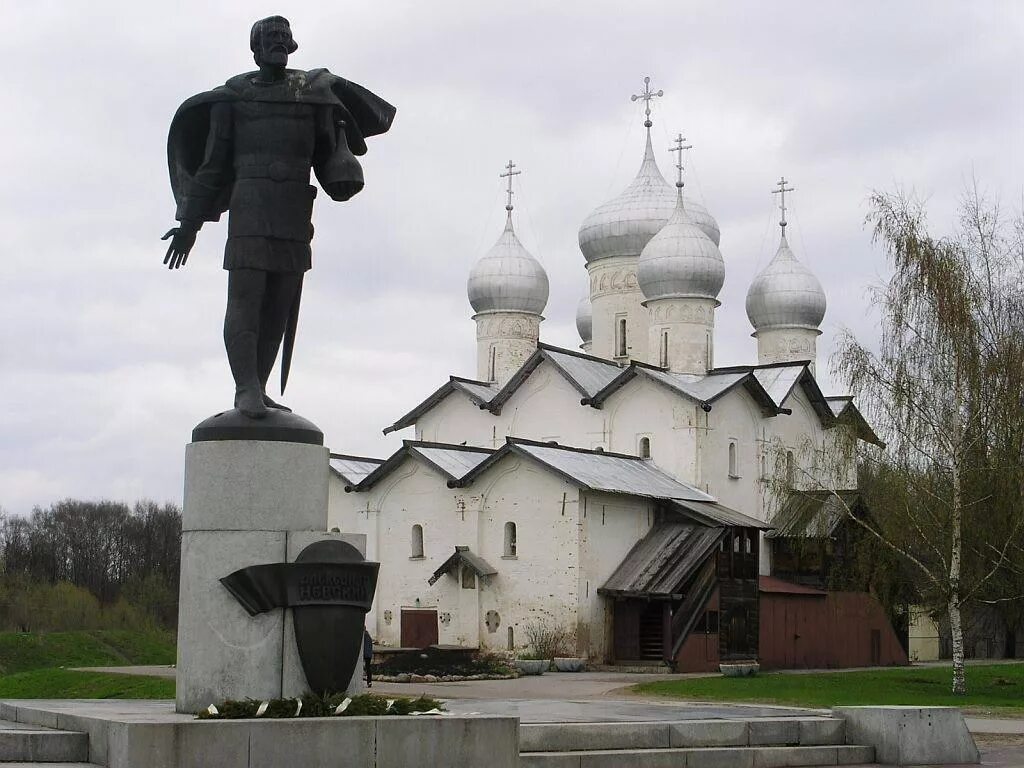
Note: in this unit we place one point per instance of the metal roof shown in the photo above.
(453, 461)
(701, 388)
(779, 381)
(353, 469)
(480, 392)
(659, 565)
(715, 515)
(609, 472)
(590, 374)
(813, 514)
(463, 556)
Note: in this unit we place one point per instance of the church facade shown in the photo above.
(626, 493)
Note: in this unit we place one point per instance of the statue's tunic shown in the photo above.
(248, 148)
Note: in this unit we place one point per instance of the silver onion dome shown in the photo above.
(622, 226)
(681, 260)
(585, 319)
(785, 294)
(508, 278)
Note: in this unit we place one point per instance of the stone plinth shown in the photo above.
(911, 735)
(247, 502)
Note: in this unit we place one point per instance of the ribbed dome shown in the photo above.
(508, 278)
(585, 319)
(622, 227)
(681, 260)
(786, 294)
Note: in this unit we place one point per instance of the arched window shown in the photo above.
(663, 357)
(417, 541)
(645, 447)
(734, 470)
(620, 337)
(511, 639)
(790, 469)
(710, 352)
(510, 539)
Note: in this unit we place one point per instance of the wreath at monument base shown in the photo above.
(312, 705)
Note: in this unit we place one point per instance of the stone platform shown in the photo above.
(149, 734)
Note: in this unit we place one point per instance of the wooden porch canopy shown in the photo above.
(463, 557)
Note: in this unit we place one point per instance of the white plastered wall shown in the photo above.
(614, 293)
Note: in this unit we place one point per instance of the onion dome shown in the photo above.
(585, 319)
(785, 294)
(680, 261)
(508, 278)
(623, 226)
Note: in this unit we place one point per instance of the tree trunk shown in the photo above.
(957, 630)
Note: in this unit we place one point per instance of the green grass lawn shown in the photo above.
(997, 687)
(22, 651)
(69, 684)
(32, 665)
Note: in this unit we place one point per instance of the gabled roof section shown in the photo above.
(713, 515)
(353, 469)
(659, 565)
(463, 556)
(586, 373)
(779, 380)
(845, 411)
(814, 514)
(452, 461)
(479, 392)
(594, 470)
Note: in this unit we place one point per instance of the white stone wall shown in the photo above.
(509, 338)
(784, 345)
(610, 525)
(690, 325)
(614, 293)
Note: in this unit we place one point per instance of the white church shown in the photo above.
(619, 492)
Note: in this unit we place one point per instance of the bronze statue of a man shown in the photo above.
(247, 147)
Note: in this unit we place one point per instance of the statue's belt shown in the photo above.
(276, 171)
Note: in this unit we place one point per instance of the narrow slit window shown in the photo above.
(620, 337)
(511, 639)
(510, 539)
(491, 360)
(417, 541)
(733, 463)
(790, 469)
(645, 447)
(664, 349)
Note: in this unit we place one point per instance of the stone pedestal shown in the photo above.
(247, 502)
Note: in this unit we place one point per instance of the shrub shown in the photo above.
(546, 641)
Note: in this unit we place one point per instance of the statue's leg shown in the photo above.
(282, 288)
(246, 290)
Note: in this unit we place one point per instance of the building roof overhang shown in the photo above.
(463, 557)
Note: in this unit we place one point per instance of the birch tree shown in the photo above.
(944, 391)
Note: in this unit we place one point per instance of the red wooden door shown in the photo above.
(419, 628)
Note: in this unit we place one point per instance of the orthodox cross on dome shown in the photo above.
(509, 173)
(679, 147)
(648, 96)
(781, 191)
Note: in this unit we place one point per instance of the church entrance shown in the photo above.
(419, 627)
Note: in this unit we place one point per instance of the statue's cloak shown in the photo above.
(363, 114)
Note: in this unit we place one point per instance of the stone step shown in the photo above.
(23, 743)
(752, 732)
(703, 757)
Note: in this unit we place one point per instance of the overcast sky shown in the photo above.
(107, 361)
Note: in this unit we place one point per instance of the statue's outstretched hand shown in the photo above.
(182, 240)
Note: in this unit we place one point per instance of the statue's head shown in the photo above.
(271, 41)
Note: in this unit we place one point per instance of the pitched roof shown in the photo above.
(813, 514)
(659, 565)
(778, 586)
(479, 392)
(587, 374)
(714, 515)
(779, 381)
(845, 410)
(452, 461)
(352, 469)
(463, 556)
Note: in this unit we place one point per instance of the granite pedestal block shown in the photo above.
(247, 502)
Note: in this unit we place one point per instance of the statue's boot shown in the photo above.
(249, 400)
(272, 404)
